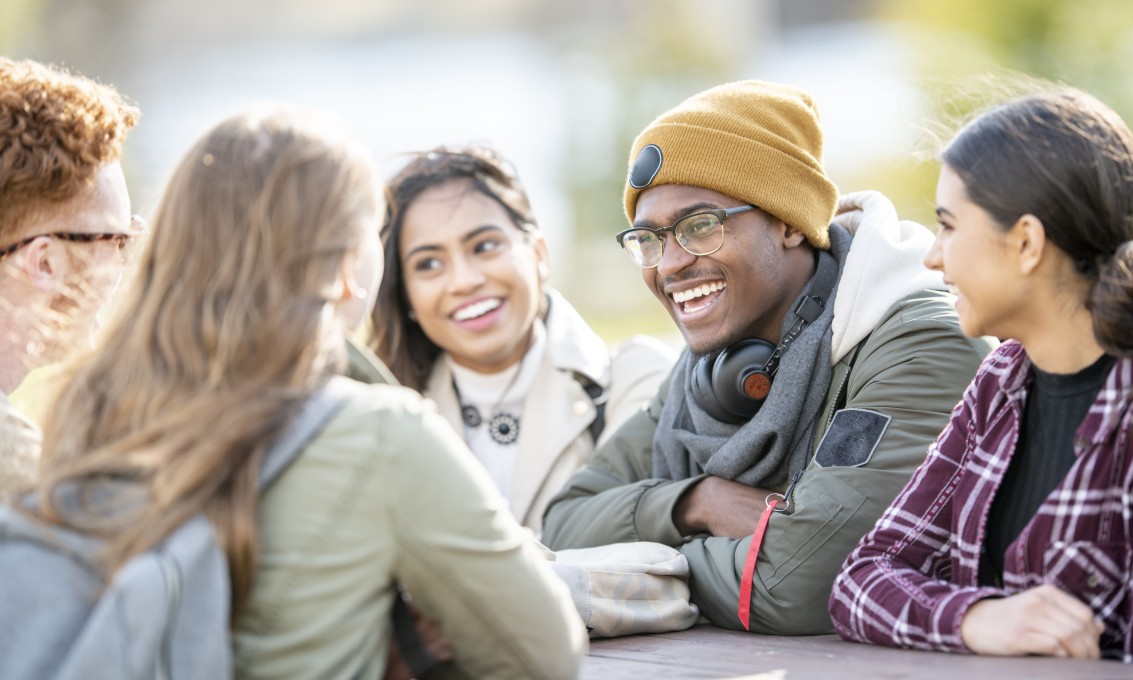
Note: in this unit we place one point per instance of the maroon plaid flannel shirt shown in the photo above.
(913, 577)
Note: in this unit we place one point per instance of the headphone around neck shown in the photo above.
(732, 385)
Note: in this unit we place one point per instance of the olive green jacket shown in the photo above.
(913, 367)
(387, 495)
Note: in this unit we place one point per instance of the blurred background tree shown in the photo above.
(970, 53)
(18, 24)
(563, 87)
(626, 73)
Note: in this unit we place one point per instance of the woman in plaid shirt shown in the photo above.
(1014, 537)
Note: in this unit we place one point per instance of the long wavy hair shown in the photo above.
(397, 340)
(228, 328)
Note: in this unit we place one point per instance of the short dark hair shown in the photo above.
(1066, 158)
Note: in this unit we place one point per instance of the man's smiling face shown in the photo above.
(742, 290)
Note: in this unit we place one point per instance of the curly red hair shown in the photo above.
(57, 129)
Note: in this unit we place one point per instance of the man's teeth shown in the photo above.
(699, 291)
(476, 309)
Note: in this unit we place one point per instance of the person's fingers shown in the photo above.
(1079, 644)
(1044, 615)
(1043, 620)
(1039, 642)
(1072, 606)
(1071, 621)
(1099, 626)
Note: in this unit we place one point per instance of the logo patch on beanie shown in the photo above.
(646, 167)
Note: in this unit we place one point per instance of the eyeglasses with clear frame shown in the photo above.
(120, 239)
(701, 233)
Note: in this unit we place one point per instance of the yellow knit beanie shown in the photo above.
(755, 141)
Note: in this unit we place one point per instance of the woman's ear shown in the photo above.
(349, 295)
(1027, 238)
(347, 285)
(542, 260)
(340, 291)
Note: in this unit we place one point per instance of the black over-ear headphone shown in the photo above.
(731, 385)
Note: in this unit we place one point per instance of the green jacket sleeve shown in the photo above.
(913, 368)
(469, 566)
(387, 495)
(615, 499)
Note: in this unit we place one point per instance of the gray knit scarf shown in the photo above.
(773, 445)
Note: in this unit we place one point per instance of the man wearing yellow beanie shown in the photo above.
(822, 360)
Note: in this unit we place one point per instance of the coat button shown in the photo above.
(580, 408)
(1092, 581)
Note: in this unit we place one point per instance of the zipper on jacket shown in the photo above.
(787, 500)
(162, 670)
(838, 399)
(838, 404)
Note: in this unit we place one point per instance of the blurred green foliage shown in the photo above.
(19, 24)
(653, 60)
(971, 53)
(1086, 43)
(650, 76)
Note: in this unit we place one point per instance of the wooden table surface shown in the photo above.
(707, 652)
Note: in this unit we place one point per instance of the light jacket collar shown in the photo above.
(572, 345)
(885, 264)
(564, 410)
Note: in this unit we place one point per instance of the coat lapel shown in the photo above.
(439, 389)
(556, 412)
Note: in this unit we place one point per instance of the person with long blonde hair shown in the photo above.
(264, 254)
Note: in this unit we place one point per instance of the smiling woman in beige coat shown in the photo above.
(466, 317)
(264, 254)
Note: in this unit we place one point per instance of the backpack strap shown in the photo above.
(597, 395)
(312, 418)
